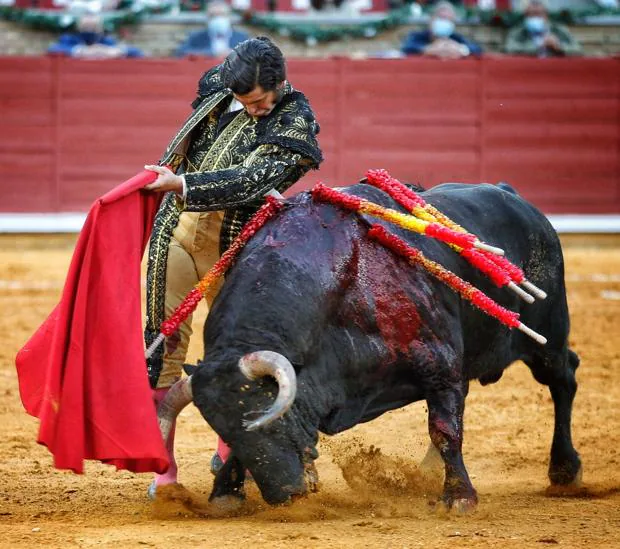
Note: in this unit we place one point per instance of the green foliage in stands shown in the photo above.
(308, 32)
(61, 21)
(508, 19)
(311, 33)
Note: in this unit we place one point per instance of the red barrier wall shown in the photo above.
(70, 130)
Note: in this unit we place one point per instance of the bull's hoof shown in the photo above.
(567, 485)
(568, 474)
(459, 505)
(464, 506)
(227, 504)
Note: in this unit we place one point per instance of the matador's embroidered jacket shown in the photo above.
(230, 171)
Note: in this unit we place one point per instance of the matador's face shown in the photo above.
(258, 102)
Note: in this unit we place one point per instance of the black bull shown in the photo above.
(366, 332)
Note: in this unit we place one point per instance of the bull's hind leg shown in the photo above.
(445, 423)
(558, 373)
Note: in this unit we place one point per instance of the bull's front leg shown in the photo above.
(228, 492)
(445, 422)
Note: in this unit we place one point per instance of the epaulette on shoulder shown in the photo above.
(292, 125)
(208, 84)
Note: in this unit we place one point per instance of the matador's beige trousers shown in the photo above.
(193, 250)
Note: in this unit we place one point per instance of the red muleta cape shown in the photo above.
(83, 372)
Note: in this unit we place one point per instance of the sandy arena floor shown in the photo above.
(507, 440)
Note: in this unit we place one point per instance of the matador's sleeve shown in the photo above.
(268, 167)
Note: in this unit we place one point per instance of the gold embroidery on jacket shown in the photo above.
(161, 251)
(224, 142)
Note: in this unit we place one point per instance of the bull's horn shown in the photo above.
(177, 398)
(268, 363)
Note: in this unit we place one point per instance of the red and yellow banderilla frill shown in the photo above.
(501, 271)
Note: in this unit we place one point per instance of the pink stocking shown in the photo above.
(222, 450)
(170, 476)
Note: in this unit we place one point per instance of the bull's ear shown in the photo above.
(189, 369)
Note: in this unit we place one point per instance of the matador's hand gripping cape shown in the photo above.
(231, 170)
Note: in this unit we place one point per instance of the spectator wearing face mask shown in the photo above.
(440, 39)
(90, 41)
(539, 37)
(218, 39)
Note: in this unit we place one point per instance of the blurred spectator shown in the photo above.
(440, 39)
(538, 36)
(218, 39)
(91, 42)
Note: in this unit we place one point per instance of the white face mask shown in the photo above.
(219, 26)
(535, 24)
(442, 28)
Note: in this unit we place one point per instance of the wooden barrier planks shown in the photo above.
(70, 130)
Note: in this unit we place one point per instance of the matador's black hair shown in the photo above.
(254, 62)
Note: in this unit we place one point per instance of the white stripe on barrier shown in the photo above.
(42, 222)
(72, 223)
(575, 223)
